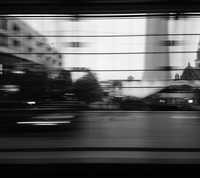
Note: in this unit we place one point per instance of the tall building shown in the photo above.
(197, 61)
(21, 43)
(157, 49)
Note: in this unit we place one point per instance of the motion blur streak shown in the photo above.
(45, 122)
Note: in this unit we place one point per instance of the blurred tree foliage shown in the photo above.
(117, 84)
(87, 88)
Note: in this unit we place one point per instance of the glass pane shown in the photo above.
(100, 81)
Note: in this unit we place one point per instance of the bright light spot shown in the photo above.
(18, 72)
(10, 88)
(31, 102)
(162, 101)
(190, 101)
(43, 122)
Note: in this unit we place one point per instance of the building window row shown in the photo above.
(17, 43)
(53, 61)
(50, 60)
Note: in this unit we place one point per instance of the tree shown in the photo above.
(87, 88)
(117, 84)
(130, 78)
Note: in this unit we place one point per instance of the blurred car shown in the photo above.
(37, 113)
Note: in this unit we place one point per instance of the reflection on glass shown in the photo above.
(134, 63)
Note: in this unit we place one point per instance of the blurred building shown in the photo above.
(190, 72)
(106, 86)
(157, 49)
(182, 93)
(20, 43)
(175, 97)
(112, 88)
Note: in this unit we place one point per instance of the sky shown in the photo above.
(110, 26)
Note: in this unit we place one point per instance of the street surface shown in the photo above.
(172, 134)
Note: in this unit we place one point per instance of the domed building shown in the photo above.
(192, 73)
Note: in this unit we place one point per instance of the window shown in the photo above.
(75, 44)
(16, 43)
(3, 40)
(39, 43)
(59, 56)
(16, 28)
(29, 49)
(3, 23)
(48, 58)
(53, 61)
(49, 49)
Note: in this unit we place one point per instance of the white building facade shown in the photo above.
(19, 40)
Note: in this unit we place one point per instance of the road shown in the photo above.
(171, 134)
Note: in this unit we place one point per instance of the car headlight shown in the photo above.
(31, 102)
(190, 101)
(162, 101)
(10, 88)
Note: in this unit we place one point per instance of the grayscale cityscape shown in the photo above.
(128, 82)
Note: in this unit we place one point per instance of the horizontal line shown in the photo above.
(144, 149)
(93, 36)
(145, 87)
(44, 122)
(111, 16)
(135, 70)
(34, 109)
(117, 70)
(136, 111)
(117, 53)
